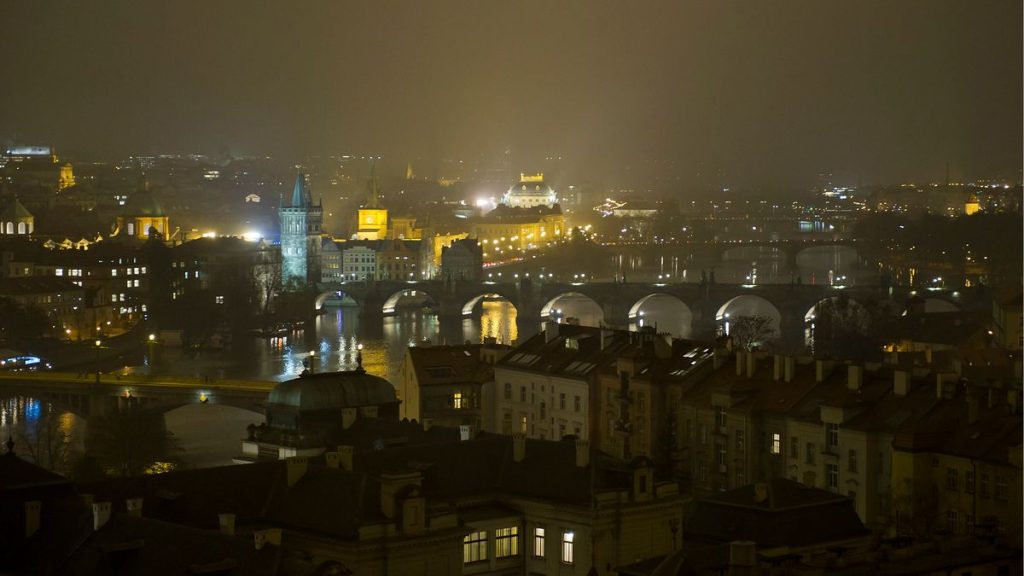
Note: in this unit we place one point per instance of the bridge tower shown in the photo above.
(301, 224)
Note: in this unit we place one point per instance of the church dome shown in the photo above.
(143, 203)
(333, 391)
(530, 191)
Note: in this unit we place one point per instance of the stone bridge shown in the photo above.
(87, 397)
(620, 302)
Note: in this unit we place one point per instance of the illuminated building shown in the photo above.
(16, 220)
(397, 260)
(505, 230)
(531, 191)
(67, 177)
(972, 206)
(142, 215)
(301, 222)
(462, 261)
(359, 260)
(373, 218)
(430, 264)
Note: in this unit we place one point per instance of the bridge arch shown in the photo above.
(340, 293)
(390, 305)
(678, 320)
(470, 304)
(748, 305)
(586, 309)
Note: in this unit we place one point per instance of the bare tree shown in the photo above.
(752, 332)
(47, 441)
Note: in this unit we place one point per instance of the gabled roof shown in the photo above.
(15, 211)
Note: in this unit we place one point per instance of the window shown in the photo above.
(567, 541)
(720, 451)
(474, 547)
(776, 445)
(522, 393)
(984, 486)
(794, 447)
(721, 419)
(969, 482)
(832, 475)
(832, 434)
(538, 542)
(220, 299)
(852, 461)
(702, 471)
(703, 434)
(739, 440)
(506, 542)
(579, 404)
(508, 391)
(810, 453)
(689, 429)
(522, 424)
(543, 410)
(952, 479)
(1001, 492)
(457, 401)
(952, 521)
(561, 401)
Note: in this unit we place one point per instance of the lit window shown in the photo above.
(474, 547)
(59, 272)
(720, 418)
(538, 542)
(113, 272)
(457, 401)
(567, 552)
(522, 424)
(506, 542)
(220, 299)
(776, 446)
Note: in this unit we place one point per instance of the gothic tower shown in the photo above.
(301, 223)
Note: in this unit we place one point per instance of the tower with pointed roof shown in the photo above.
(373, 217)
(301, 225)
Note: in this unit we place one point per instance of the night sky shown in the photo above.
(764, 93)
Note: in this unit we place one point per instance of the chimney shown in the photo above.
(739, 362)
(348, 417)
(760, 492)
(134, 506)
(854, 377)
(465, 432)
(268, 536)
(100, 514)
(742, 558)
(901, 383)
(789, 368)
(297, 466)
(346, 454)
(751, 364)
(331, 460)
(582, 453)
(777, 367)
(33, 510)
(821, 370)
(227, 524)
(550, 330)
(518, 446)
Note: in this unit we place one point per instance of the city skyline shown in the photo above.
(692, 96)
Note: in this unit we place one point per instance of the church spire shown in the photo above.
(374, 192)
(299, 192)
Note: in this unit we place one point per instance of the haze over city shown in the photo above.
(663, 94)
(446, 288)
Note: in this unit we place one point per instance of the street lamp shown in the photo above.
(96, 348)
(312, 358)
